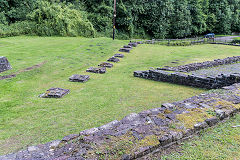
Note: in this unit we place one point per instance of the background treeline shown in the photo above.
(135, 18)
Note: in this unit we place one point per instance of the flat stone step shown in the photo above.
(101, 70)
(127, 50)
(106, 64)
(79, 78)
(113, 59)
(55, 93)
(119, 55)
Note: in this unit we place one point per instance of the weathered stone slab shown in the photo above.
(127, 50)
(101, 70)
(133, 44)
(4, 64)
(55, 93)
(79, 78)
(119, 55)
(127, 46)
(106, 64)
(113, 59)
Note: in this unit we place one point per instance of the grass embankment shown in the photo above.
(27, 119)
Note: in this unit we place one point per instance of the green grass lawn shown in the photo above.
(220, 143)
(26, 119)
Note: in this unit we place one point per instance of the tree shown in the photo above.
(198, 17)
(180, 20)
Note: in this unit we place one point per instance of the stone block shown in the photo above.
(55, 93)
(106, 64)
(127, 46)
(113, 59)
(133, 44)
(127, 50)
(101, 70)
(4, 64)
(212, 121)
(200, 126)
(79, 78)
(119, 55)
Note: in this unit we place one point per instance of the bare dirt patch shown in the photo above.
(24, 70)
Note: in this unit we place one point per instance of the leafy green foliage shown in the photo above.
(135, 18)
(56, 19)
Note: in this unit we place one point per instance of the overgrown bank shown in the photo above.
(135, 18)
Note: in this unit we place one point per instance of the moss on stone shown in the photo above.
(161, 115)
(151, 140)
(192, 117)
(225, 104)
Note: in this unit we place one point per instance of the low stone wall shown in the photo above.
(207, 64)
(190, 80)
(228, 44)
(139, 134)
(4, 64)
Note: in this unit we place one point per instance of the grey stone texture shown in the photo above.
(155, 125)
(127, 46)
(55, 93)
(106, 64)
(127, 50)
(119, 55)
(100, 70)
(133, 44)
(79, 78)
(113, 59)
(4, 64)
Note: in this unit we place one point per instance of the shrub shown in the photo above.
(59, 19)
(16, 29)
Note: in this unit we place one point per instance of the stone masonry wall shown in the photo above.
(207, 64)
(190, 80)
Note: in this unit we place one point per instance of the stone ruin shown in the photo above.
(127, 50)
(79, 78)
(210, 75)
(100, 70)
(139, 134)
(4, 64)
(54, 93)
(207, 64)
(119, 55)
(106, 64)
(113, 59)
(127, 46)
